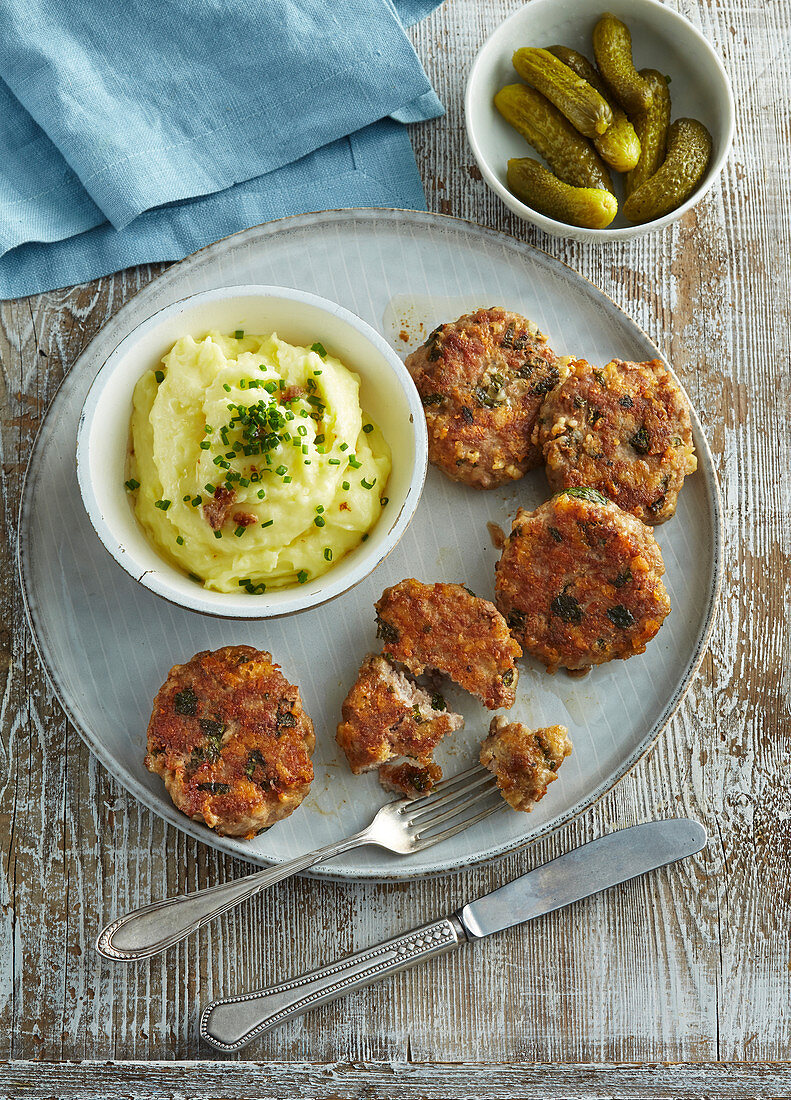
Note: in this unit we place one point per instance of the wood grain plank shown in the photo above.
(391, 1081)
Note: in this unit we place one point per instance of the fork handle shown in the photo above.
(147, 931)
(232, 1022)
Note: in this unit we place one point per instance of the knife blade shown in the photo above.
(231, 1023)
(583, 871)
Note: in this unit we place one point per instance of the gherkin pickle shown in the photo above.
(651, 126)
(570, 156)
(688, 154)
(536, 186)
(612, 45)
(619, 145)
(582, 105)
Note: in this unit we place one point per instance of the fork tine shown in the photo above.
(460, 798)
(454, 810)
(445, 787)
(446, 834)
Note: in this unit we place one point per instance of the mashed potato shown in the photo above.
(251, 463)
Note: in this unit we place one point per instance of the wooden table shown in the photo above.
(690, 965)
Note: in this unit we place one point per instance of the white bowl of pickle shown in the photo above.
(599, 124)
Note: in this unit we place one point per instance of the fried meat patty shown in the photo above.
(230, 739)
(624, 430)
(386, 717)
(524, 761)
(580, 581)
(447, 628)
(482, 380)
(410, 779)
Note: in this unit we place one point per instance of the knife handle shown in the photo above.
(232, 1022)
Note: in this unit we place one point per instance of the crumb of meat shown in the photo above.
(386, 716)
(524, 761)
(410, 779)
(448, 628)
(231, 741)
(218, 507)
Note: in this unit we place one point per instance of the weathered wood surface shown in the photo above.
(392, 1081)
(692, 964)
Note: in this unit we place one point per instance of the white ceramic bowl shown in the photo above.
(661, 39)
(387, 394)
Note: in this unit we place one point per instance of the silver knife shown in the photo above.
(233, 1022)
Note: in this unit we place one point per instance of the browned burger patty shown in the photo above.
(524, 761)
(230, 739)
(447, 628)
(482, 380)
(624, 430)
(410, 779)
(385, 717)
(579, 581)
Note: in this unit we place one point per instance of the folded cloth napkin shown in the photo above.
(139, 132)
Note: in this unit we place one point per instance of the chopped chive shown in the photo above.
(179, 540)
(218, 534)
(368, 428)
(319, 521)
(327, 554)
(319, 349)
(319, 508)
(304, 448)
(131, 484)
(205, 445)
(226, 387)
(239, 334)
(159, 375)
(261, 494)
(244, 582)
(268, 523)
(186, 497)
(242, 384)
(210, 489)
(344, 446)
(384, 500)
(368, 484)
(364, 538)
(281, 470)
(162, 504)
(208, 429)
(346, 485)
(245, 481)
(354, 462)
(287, 479)
(196, 501)
(317, 373)
(240, 530)
(302, 576)
(319, 439)
(302, 429)
(333, 462)
(270, 387)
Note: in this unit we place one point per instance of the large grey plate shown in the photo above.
(107, 644)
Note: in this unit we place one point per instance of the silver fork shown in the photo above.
(403, 826)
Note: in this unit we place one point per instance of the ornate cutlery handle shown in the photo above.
(232, 1022)
(147, 931)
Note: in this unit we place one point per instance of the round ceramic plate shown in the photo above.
(108, 644)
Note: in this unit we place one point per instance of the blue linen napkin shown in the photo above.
(141, 132)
